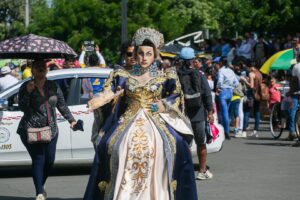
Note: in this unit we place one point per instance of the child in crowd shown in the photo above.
(274, 92)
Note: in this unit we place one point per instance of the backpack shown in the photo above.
(238, 90)
(191, 87)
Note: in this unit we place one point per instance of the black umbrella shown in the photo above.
(172, 48)
(35, 47)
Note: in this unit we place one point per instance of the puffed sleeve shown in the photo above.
(109, 84)
(174, 96)
(116, 80)
(112, 89)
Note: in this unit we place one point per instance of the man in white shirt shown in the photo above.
(101, 60)
(6, 80)
(245, 50)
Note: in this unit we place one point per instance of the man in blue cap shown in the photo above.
(198, 104)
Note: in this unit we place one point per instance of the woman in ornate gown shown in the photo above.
(143, 150)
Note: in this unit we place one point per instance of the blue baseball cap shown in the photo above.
(217, 59)
(187, 53)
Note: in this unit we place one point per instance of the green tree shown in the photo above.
(75, 21)
(79, 20)
(11, 18)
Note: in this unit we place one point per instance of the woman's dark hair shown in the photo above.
(93, 60)
(209, 71)
(38, 63)
(223, 61)
(148, 43)
(124, 47)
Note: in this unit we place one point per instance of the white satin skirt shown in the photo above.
(142, 170)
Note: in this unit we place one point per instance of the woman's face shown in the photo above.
(39, 72)
(145, 56)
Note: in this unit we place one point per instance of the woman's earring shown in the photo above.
(153, 70)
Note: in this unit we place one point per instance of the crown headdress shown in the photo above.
(148, 33)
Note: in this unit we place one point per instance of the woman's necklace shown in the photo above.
(138, 70)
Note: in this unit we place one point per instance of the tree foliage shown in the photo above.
(75, 21)
(11, 18)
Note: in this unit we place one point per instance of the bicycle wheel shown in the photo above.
(277, 121)
(297, 123)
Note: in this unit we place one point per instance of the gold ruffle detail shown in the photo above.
(173, 185)
(102, 186)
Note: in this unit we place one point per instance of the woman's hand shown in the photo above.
(83, 48)
(161, 106)
(97, 48)
(210, 117)
(102, 99)
(73, 123)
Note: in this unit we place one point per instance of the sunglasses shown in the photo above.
(129, 54)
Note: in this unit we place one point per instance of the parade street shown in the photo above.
(245, 169)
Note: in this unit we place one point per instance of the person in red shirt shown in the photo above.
(274, 92)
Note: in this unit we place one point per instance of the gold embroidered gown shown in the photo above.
(139, 147)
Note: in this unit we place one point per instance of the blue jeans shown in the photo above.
(291, 115)
(256, 112)
(224, 102)
(234, 108)
(42, 156)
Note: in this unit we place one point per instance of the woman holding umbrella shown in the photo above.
(38, 99)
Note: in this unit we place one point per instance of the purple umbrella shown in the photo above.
(35, 47)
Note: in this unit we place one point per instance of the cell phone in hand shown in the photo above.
(78, 126)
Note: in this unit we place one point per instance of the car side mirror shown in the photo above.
(3, 104)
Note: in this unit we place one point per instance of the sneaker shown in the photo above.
(204, 176)
(244, 134)
(254, 134)
(40, 197)
(241, 134)
(44, 192)
(238, 135)
(235, 131)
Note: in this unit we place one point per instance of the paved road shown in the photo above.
(245, 169)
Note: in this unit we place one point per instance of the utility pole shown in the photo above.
(124, 22)
(26, 13)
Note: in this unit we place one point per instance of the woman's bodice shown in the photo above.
(142, 96)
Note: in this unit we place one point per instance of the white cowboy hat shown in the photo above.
(5, 70)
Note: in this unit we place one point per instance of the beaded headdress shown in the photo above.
(148, 33)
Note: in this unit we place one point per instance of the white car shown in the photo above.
(72, 147)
